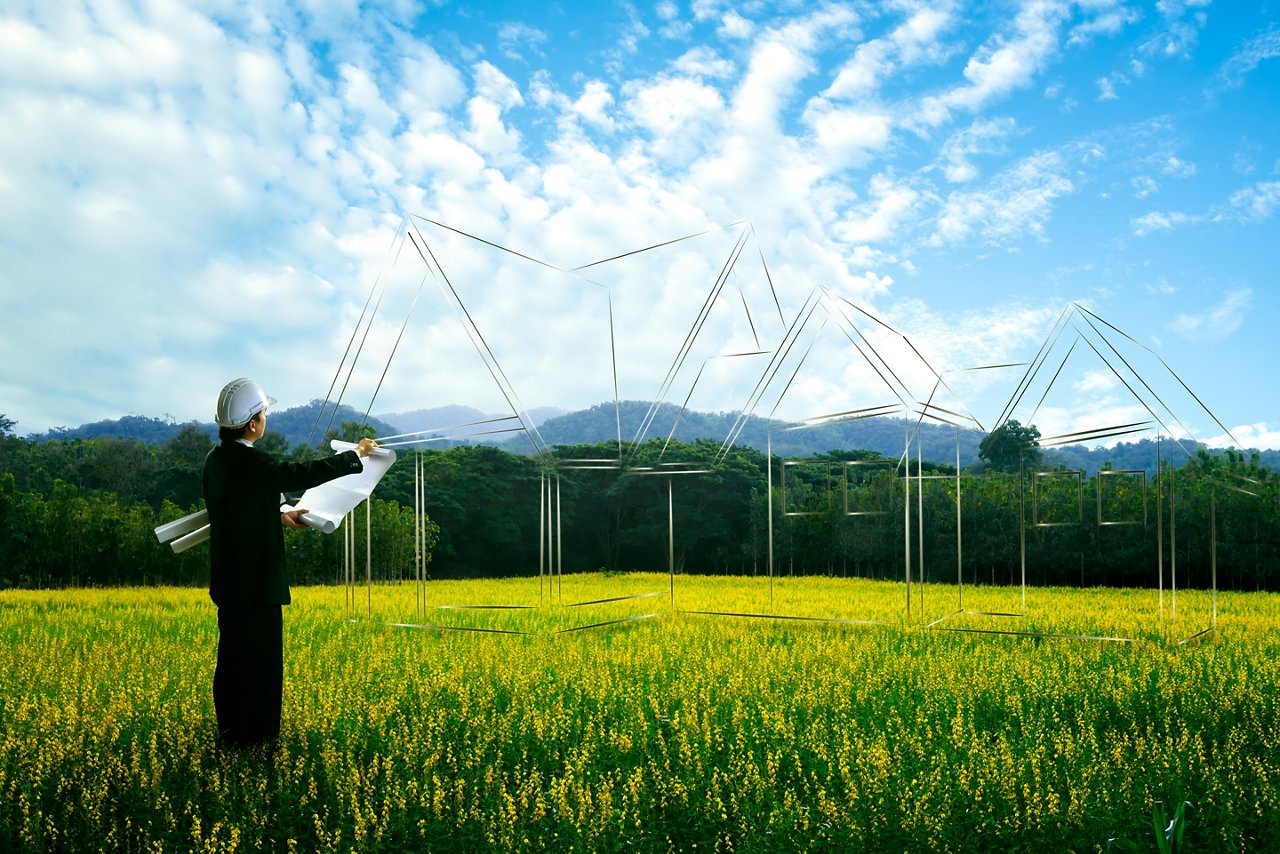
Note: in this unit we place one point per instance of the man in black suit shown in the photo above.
(242, 493)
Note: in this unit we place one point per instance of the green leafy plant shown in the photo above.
(1168, 831)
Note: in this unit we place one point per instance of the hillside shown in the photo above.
(454, 415)
(294, 424)
(938, 443)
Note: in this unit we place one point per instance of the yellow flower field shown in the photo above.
(674, 731)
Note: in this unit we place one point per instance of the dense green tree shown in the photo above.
(1011, 445)
(81, 511)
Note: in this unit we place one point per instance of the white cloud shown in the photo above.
(861, 76)
(987, 136)
(918, 39)
(1248, 205)
(681, 114)
(1218, 321)
(1182, 22)
(1256, 203)
(780, 59)
(1143, 186)
(1109, 22)
(705, 10)
(487, 132)
(702, 61)
(1154, 221)
(893, 205)
(914, 41)
(429, 85)
(1002, 64)
(592, 106)
(1264, 46)
(1259, 435)
(1176, 168)
(1015, 203)
(1096, 382)
(734, 26)
(848, 137)
(515, 37)
(360, 95)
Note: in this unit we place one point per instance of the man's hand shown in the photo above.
(293, 519)
(365, 446)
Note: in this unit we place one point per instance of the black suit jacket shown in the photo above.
(242, 487)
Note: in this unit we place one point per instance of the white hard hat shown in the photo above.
(239, 401)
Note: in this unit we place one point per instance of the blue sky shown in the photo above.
(196, 191)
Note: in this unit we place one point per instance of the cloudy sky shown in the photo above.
(196, 191)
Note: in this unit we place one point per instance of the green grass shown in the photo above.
(669, 732)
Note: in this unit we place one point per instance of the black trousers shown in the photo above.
(249, 679)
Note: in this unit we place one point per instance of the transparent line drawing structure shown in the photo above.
(1079, 330)
(868, 347)
(783, 333)
(417, 242)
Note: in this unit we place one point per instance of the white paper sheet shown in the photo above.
(329, 502)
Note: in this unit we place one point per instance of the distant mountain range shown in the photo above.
(937, 443)
(886, 436)
(460, 421)
(294, 424)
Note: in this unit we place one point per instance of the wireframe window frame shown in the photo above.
(1035, 498)
(1104, 473)
(783, 477)
(844, 483)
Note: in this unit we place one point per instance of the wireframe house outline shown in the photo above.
(728, 327)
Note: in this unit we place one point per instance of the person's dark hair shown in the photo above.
(230, 434)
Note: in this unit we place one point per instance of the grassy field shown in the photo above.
(675, 731)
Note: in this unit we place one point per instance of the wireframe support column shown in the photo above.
(348, 605)
(1173, 539)
(423, 569)
(1022, 524)
(368, 554)
(1160, 530)
(559, 548)
(1213, 557)
(920, 520)
(671, 538)
(906, 508)
(959, 529)
(418, 524)
(542, 531)
(769, 496)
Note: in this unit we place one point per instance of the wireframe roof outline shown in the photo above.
(1079, 335)
(733, 310)
(905, 383)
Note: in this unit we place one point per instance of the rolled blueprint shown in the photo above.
(183, 526)
(329, 502)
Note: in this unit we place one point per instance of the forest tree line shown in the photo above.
(82, 512)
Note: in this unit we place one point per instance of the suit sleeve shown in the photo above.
(291, 477)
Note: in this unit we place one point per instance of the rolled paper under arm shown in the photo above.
(183, 526)
(322, 522)
(195, 538)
